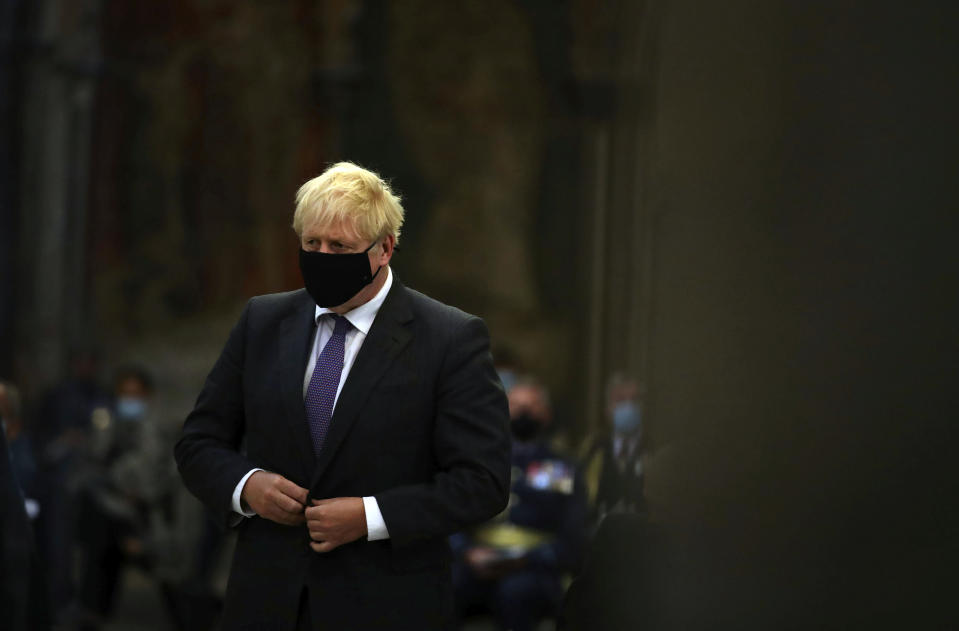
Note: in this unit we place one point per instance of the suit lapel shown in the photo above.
(295, 334)
(387, 337)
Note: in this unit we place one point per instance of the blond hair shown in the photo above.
(350, 193)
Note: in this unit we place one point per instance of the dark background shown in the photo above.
(750, 205)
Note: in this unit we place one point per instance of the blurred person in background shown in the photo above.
(125, 513)
(61, 427)
(507, 367)
(515, 566)
(22, 590)
(613, 459)
(621, 585)
(374, 427)
(20, 445)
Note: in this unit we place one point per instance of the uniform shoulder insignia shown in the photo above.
(550, 475)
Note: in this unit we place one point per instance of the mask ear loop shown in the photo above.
(366, 251)
(396, 246)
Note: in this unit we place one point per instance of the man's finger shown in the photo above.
(291, 489)
(323, 546)
(289, 519)
(287, 503)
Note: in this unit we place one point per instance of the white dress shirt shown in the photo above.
(362, 319)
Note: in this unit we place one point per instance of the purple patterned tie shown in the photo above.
(321, 392)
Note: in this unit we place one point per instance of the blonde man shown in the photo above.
(373, 422)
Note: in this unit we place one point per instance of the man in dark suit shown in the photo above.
(347, 429)
(23, 601)
(613, 460)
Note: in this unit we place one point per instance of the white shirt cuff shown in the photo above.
(238, 505)
(375, 526)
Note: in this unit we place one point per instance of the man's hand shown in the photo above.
(335, 521)
(489, 564)
(274, 497)
(479, 557)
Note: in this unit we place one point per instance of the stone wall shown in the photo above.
(208, 115)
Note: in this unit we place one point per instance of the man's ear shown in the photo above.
(389, 244)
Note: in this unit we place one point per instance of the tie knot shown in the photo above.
(341, 326)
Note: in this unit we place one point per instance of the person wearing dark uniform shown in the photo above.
(516, 565)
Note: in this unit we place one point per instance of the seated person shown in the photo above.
(613, 459)
(515, 564)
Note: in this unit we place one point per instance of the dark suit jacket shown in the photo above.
(421, 424)
(23, 599)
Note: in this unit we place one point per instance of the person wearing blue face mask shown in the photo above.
(130, 408)
(626, 419)
(613, 460)
(129, 482)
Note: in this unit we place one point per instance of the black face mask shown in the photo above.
(524, 427)
(332, 279)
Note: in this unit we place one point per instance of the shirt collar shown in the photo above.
(362, 317)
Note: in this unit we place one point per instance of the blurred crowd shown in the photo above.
(94, 469)
(99, 486)
(526, 565)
